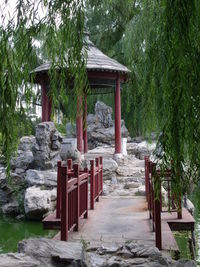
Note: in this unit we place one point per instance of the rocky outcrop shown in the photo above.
(69, 151)
(42, 252)
(46, 151)
(53, 253)
(101, 126)
(47, 178)
(142, 149)
(37, 202)
(110, 167)
(17, 260)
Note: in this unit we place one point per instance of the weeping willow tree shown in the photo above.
(62, 40)
(162, 47)
(159, 42)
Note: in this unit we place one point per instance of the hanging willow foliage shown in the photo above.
(59, 24)
(162, 47)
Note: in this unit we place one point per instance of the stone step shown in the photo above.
(134, 171)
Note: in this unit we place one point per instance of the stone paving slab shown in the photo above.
(117, 220)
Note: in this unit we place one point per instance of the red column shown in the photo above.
(46, 103)
(85, 137)
(79, 125)
(118, 145)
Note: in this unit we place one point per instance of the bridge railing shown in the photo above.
(154, 179)
(73, 194)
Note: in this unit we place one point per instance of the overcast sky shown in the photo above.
(8, 10)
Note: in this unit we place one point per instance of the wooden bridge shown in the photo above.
(118, 219)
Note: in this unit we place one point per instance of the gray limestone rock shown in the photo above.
(11, 208)
(103, 113)
(41, 178)
(46, 151)
(185, 263)
(109, 168)
(18, 260)
(53, 253)
(37, 202)
(101, 126)
(26, 143)
(23, 160)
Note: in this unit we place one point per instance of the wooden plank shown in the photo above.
(51, 222)
(168, 240)
(185, 224)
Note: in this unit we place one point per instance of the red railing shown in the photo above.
(155, 178)
(72, 193)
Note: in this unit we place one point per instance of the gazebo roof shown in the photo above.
(96, 61)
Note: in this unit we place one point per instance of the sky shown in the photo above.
(8, 10)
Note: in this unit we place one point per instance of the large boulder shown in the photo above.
(41, 178)
(46, 151)
(69, 150)
(142, 149)
(24, 158)
(110, 167)
(104, 114)
(101, 126)
(4, 198)
(18, 260)
(37, 202)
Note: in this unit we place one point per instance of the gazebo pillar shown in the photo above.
(118, 144)
(79, 124)
(46, 103)
(85, 137)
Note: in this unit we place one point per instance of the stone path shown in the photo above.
(117, 220)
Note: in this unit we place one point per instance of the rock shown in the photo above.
(130, 171)
(23, 160)
(109, 168)
(39, 178)
(92, 119)
(26, 143)
(132, 185)
(185, 263)
(53, 253)
(101, 126)
(144, 252)
(69, 151)
(11, 208)
(37, 202)
(114, 180)
(103, 113)
(188, 205)
(18, 260)
(141, 191)
(46, 151)
(70, 130)
(124, 253)
(95, 260)
(140, 150)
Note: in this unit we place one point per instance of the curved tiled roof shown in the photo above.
(96, 61)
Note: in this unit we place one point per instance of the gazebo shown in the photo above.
(105, 75)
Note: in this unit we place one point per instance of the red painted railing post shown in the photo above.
(76, 175)
(101, 163)
(86, 194)
(69, 164)
(64, 204)
(146, 160)
(157, 215)
(59, 163)
(92, 184)
(97, 180)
